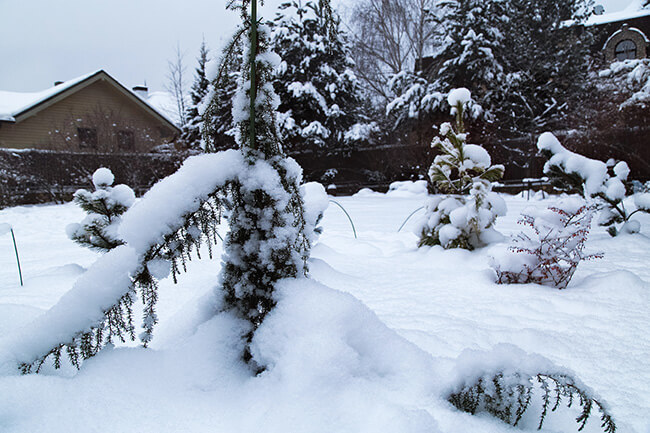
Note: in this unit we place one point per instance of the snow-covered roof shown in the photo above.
(634, 10)
(14, 103)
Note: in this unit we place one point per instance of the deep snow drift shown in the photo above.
(370, 345)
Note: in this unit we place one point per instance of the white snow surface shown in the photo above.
(370, 344)
(13, 103)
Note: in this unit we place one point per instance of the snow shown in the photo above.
(372, 343)
(459, 96)
(14, 103)
(642, 200)
(103, 177)
(632, 11)
(592, 171)
(4, 228)
(198, 177)
(478, 156)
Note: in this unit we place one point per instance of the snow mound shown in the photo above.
(407, 188)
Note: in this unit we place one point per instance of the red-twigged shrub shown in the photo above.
(550, 248)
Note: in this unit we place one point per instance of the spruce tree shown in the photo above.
(525, 61)
(321, 102)
(104, 206)
(464, 216)
(267, 240)
(191, 134)
(546, 56)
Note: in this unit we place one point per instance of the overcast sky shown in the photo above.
(42, 41)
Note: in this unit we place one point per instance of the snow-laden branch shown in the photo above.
(97, 310)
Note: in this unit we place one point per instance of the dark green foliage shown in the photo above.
(118, 324)
(104, 208)
(267, 240)
(191, 134)
(320, 97)
(524, 65)
(508, 396)
(218, 126)
(92, 232)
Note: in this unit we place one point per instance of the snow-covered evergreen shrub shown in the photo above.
(603, 182)
(267, 240)
(504, 383)
(104, 206)
(463, 218)
(551, 247)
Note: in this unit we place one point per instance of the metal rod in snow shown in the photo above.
(253, 89)
(354, 230)
(20, 273)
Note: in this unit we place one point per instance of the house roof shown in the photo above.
(634, 10)
(14, 106)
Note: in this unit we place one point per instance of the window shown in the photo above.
(125, 140)
(626, 49)
(87, 137)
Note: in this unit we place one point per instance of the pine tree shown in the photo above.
(546, 63)
(98, 231)
(462, 218)
(191, 134)
(320, 96)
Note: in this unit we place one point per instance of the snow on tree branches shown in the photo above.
(595, 180)
(321, 103)
(267, 240)
(506, 381)
(98, 231)
(551, 248)
(630, 77)
(463, 218)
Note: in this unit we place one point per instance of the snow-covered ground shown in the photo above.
(335, 364)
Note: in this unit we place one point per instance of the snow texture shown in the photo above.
(592, 171)
(337, 365)
(103, 177)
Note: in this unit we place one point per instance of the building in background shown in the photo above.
(92, 113)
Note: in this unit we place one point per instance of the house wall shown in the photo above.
(98, 106)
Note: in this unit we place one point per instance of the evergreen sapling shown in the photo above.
(463, 217)
(604, 183)
(104, 206)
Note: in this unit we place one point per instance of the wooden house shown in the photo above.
(92, 113)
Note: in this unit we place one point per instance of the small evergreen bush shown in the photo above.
(104, 206)
(463, 218)
(606, 183)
